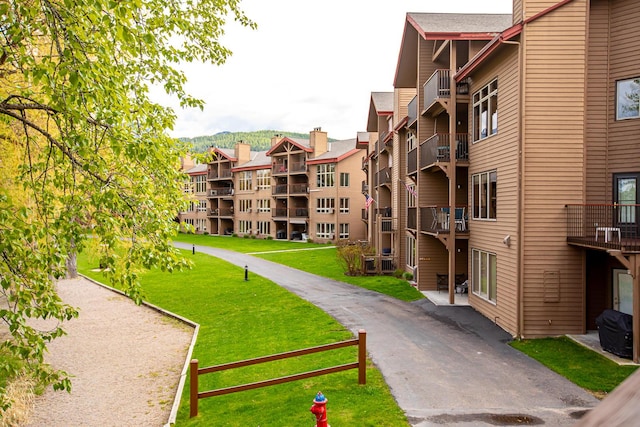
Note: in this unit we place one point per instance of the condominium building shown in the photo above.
(521, 147)
(195, 213)
(299, 189)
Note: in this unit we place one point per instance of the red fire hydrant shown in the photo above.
(319, 409)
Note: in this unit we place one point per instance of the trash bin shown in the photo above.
(615, 330)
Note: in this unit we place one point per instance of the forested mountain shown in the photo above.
(259, 140)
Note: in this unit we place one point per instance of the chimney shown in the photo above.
(186, 162)
(275, 139)
(242, 152)
(318, 141)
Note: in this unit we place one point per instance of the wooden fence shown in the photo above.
(195, 372)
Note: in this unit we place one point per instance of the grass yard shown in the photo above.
(323, 262)
(584, 367)
(240, 320)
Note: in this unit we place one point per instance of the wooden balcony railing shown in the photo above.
(604, 226)
(412, 218)
(437, 86)
(298, 212)
(379, 264)
(412, 161)
(220, 191)
(412, 111)
(383, 176)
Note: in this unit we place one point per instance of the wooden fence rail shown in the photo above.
(195, 372)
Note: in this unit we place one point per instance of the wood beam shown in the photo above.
(437, 52)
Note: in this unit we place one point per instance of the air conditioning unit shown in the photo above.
(331, 211)
(213, 192)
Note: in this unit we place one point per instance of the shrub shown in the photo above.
(246, 236)
(407, 276)
(269, 237)
(234, 235)
(398, 273)
(350, 256)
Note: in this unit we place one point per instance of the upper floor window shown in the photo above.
(263, 205)
(325, 175)
(344, 179)
(484, 188)
(485, 111)
(263, 178)
(245, 205)
(344, 205)
(325, 205)
(411, 141)
(628, 99)
(245, 181)
(200, 182)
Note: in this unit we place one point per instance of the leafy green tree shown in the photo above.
(89, 154)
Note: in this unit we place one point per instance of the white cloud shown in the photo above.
(308, 64)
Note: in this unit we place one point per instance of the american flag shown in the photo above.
(367, 201)
(410, 189)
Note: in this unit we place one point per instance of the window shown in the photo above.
(485, 111)
(245, 181)
(263, 178)
(411, 141)
(484, 276)
(264, 227)
(325, 205)
(411, 252)
(191, 207)
(244, 227)
(344, 231)
(344, 179)
(325, 230)
(484, 188)
(201, 224)
(245, 205)
(202, 206)
(263, 205)
(628, 99)
(411, 195)
(200, 183)
(344, 205)
(325, 175)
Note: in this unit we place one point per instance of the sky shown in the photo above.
(308, 64)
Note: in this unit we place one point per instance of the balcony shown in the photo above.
(300, 188)
(378, 264)
(297, 212)
(279, 189)
(437, 91)
(221, 212)
(412, 162)
(435, 219)
(383, 177)
(412, 113)
(604, 227)
(365, 214)
(298, 167)
(437, 149)
(220, 191)
(222, 174)
(412, 219)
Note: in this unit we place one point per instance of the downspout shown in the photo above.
(520, 219)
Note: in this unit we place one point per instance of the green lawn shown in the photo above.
(579, 364)
(240, 320)
(323, 261)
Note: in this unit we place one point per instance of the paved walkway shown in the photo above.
(444, 365)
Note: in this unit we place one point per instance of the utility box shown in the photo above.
(615, 330)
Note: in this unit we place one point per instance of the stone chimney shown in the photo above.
(242, 152)
(276, 138)
(318, 141)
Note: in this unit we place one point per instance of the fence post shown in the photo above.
(362, 356)
(193, 390)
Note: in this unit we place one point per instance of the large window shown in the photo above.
(326, 175)
(344, 205)
(628, 99)
(325, 205)
(201, 224)
(244, 183)
(264, 227)
(344, 179)
(484, 276)
(344, 231)
(263, 205)
(244, 227)
(325, 230)
(485, 111)
(263, 178)
(245, 205)
(202, 206)
(200, 182)
(412, 141)
(484, 187)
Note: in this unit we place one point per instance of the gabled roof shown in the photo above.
(381, 104)
(362, 139)
(302, 144)
(338, 150)
(442, 26)
(259, 160)
(227, 153)
(197, 169)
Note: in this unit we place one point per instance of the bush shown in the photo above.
(309, 240)
(246, 236)
(206, 233)
(234, 235)
(269, 237)
(350, 256)
(253, 236)
(407, 276)
(398, 273)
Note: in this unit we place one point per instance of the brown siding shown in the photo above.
(553, 152)
(500, 153)
(598, 188)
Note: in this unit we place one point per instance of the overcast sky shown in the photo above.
(309, 64)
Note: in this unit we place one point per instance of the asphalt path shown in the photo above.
(444, 365)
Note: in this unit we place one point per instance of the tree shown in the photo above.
(87, 150)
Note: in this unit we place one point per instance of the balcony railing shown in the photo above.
(437, 149)
(412, 219)
(383, 177)
(436, 219)
(365, 214)
(604, 226)
(221, 212)
(412, 161)
(298, 212)
(298, 167)
(412, 112)
(299, 188)
(280, 189)
(438, 86)
(220, 191)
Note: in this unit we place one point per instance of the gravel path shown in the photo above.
(125, 360)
